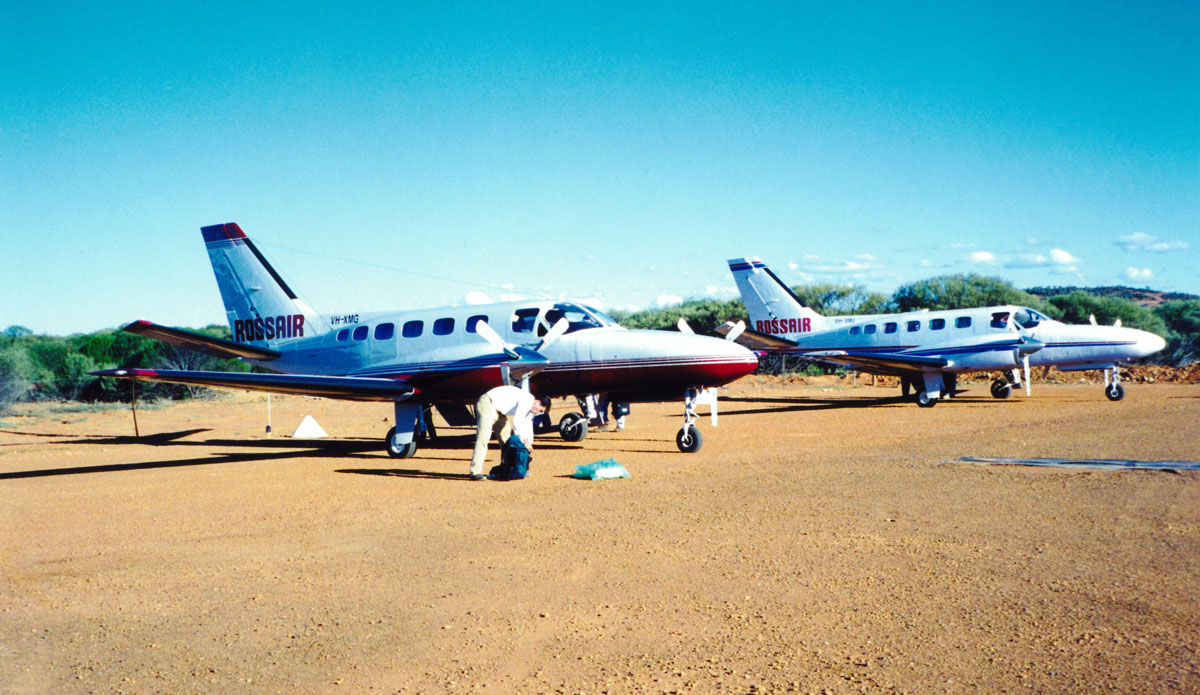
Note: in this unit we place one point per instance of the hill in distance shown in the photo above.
(1144, 297)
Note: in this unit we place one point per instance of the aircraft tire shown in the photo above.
(925, 401)
(1001, 389)
(1114, 392)
(573, 427)
(689, 440)
(405, 451)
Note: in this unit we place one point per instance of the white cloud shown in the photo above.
(477, 297)
(925, 263)
(1138, 273)
(720, 291)
(793, 266)
(668, 300)
(1060, 257)
(981, 257)
(865, 257)
(1141, 241)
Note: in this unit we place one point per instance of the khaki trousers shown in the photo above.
(489, 423)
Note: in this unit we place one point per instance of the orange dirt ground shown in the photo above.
(820, 542)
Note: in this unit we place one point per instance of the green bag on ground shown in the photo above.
(601, 470)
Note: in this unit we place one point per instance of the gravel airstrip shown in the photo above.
(824, 540)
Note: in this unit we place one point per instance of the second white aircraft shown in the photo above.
(928, 349)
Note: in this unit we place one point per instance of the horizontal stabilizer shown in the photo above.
(755, 340)
(217, 347)
(354, 388)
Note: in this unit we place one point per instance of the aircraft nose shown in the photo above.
(1149, 343)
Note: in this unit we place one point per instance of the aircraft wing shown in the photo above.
(354, 388)
(882, 362)
(755, 340)
(207, 344)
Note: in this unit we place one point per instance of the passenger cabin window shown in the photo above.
(343, 335)
(385, 331)
(523, 320)
(962, 322)
(869, 330)
(914, 326)
(360, 333)
(855, 330)
(1000, 319)
(480, 318)
(443, 327)
(890, 327)
(937, 324)
(412, 329)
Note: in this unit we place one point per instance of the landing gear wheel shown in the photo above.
(689, 440)
(402, 451)
(924, 400)
(1001, 388)
(1114, 391)
(573, 427)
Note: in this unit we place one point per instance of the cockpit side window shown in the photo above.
(578, 317)
(1000, 319)
(1028, 318)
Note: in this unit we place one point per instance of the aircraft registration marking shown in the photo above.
(343, 320)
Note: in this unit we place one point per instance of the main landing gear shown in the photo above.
(1001, 388)
(411, 426)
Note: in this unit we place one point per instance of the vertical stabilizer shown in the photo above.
(773, 308)
(261, 308)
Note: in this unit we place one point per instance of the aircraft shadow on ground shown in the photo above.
(799, 404)
(406, 473)
(269, 450)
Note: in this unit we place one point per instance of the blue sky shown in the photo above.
(615, 152)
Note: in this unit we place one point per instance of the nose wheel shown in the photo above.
(1112, 384)
(689, 439)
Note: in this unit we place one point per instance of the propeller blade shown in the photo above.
(1025, 368)
(1092, 319)
(560, 326)
(493, 338)
(684, 327)
(1117, 323)
(735, 331)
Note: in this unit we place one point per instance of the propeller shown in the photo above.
(1026, 347)
(556, 331)
(683, 326)
(493, 338)
(525, 362)
(735, 331)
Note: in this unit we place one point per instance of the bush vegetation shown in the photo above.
(39, 368)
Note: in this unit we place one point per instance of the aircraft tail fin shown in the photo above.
(261, 308)
(773, 308)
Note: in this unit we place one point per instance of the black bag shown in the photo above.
(514, 461)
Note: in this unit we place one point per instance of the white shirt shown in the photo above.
(515, 403)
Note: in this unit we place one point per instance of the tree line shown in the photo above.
(38, 367)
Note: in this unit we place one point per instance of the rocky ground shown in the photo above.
(824, 540)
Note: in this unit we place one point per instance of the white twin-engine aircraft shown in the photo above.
(445, 357)
(927, 349)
